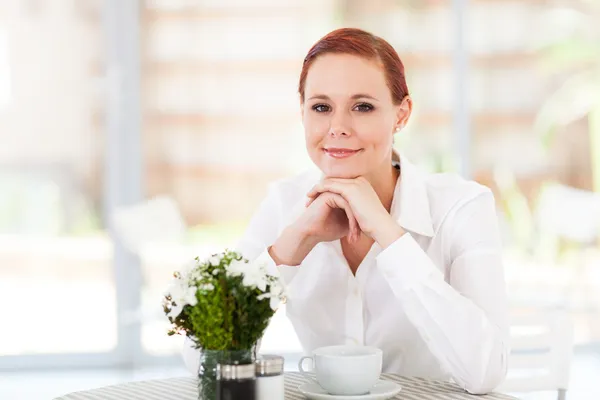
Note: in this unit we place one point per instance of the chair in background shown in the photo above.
(541, 353)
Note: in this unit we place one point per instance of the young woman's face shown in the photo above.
(349, 116)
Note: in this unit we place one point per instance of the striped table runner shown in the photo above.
(186, 389)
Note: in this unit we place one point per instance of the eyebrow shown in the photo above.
(354, 97)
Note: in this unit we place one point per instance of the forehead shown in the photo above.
(343, 75)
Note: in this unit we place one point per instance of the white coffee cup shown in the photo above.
(345, 370)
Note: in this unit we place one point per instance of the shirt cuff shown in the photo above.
(404, 264)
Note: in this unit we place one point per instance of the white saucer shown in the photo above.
(382, 390)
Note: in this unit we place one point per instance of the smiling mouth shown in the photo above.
(340, 152)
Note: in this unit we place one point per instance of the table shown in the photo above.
(186, 389)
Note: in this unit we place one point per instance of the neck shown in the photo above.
(383, 181)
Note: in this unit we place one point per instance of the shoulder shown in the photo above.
(449, 192)
(463, 214)
(450, 187)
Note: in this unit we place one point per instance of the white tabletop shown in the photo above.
(187, 389)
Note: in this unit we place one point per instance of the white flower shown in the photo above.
(274, 302)
(194, 276)
(181, 296)
(216, 272)
(175, 311)
(187, 269)
(264, 296)
(207, 286)
(237, 268)
(276, 294)
(189, 296)
(214, 261)
(174, 290)
(253, 278)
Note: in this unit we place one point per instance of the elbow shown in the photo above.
(491, 377)
(483, 388)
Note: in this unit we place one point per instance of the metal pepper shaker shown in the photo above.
(236, 381)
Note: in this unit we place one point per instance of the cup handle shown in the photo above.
(301, 362)
(306, 373)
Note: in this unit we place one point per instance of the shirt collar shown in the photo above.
(410, 205)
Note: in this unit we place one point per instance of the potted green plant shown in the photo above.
(223, 304)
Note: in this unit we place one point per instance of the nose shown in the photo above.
(340, 125)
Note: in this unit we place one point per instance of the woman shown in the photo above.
(373, 251)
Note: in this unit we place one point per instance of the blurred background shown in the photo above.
(137, 134)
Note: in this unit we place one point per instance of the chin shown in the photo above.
(344, 168)
(341, 171)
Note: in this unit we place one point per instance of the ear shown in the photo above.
(404, 111)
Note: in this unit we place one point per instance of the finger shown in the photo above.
(340, 188)
(320, 188)
(352, 224)
(335, 185)
(310, 200)
(313, 192)
(316, 189)
(353, 227)
(340, 202)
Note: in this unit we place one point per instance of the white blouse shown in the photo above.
(434, 301)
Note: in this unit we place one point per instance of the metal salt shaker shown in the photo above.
(269, 377)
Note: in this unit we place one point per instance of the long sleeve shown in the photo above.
(460, 313)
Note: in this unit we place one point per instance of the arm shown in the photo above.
(464, 320)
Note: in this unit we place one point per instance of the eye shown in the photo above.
(320, 108)
(364, 107)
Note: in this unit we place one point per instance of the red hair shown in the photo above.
(363, 44)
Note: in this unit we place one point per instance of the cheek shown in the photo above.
(374, 131)
(315, 129)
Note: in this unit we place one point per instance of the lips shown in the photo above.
(337, 152)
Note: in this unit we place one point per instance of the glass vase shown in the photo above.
(207, 370)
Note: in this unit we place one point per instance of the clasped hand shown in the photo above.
(346, 207)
